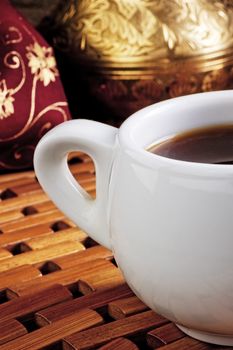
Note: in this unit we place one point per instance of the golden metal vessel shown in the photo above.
(137, 52)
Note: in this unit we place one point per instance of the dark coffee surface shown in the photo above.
(212, 145)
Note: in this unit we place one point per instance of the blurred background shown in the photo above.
(35, 10)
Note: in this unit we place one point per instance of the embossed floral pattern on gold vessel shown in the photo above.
(175, 47)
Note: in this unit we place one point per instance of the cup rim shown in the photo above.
(141, 155)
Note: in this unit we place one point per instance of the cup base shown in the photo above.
(219, 339)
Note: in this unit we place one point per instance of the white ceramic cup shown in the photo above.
(168, 222)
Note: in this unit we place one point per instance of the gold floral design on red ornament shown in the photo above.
(42, 63)
(43, 68)
(6, 100)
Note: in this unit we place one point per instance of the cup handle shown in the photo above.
(50, 162)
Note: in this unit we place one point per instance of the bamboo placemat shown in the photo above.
(58, 288)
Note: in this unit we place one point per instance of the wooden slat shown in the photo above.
(18, 275)
(163, 335)
(10, 330)
(189, 344)
(89, 186)
(82, 168)
(24, 234)
(120, 344)
(16, 176)
(26, 188)
(86, 166)
(93, 301)
(10, 215)
(33, 220)
(91, 281)
(4, 254)
(14, 214)
(44, 206)
(33, 302)
(84, 177)
(34, 187)
(41, 255)
(52, 333)
(16, 182)
(72, 234)
(23, 201)
(81, 257)
(82, 156)
(65, 277)
(121, 308)
(126, 327)
(77, 154)
(92, 193)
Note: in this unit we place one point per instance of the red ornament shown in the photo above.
(32, 99)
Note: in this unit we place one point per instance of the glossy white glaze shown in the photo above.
(168, 222)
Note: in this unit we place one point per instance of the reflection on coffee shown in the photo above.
(212, 145)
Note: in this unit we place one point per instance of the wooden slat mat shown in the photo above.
(58, 288)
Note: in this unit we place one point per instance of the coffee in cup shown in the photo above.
(212, 145)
